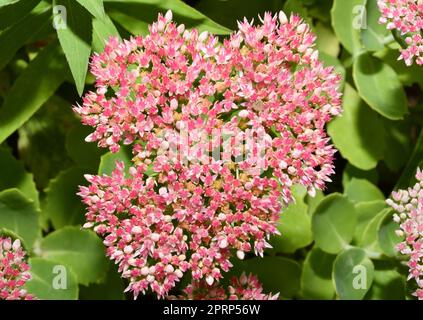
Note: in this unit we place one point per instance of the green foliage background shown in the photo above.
(43, 156)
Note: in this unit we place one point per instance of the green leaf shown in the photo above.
(11, 11)
(81, 250)
(333, 223)
(296, 7)
(19, 34)
(95, 7)
(13, 175)
(111, 288)
(63, 206)
(295, 228)
(408, 175)
(387, 237)
(41, 143)
(108, 160)
(388, 283)
(366, 211)
(316, 277)
(326, 40)
(102, 30)
(135, 15)
(330, 61)
(313, 202)
(44, 280)
(19, 214)
(352, 274)
(85, 154)
(369, 240)
(277, 274)
(375, 34)
(43, 75)
(346, 20)
(379, 86)
(361, 190)
(397, 136)
(358, 133)
(352, 172)
(76, 40)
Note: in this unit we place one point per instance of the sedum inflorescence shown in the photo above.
(219, 132)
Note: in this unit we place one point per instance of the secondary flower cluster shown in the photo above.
(218, 135)
(409, 207)
(406, 16)
(13, 270)
(242, 288)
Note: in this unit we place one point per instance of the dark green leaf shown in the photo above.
(11, 11)
(108, 160)
(95, 7)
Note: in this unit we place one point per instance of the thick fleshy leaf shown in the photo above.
(352, 274)
(111, 288)
(135, 15)
(326, 41)
(43, 75)
(313, 202)
(375, 35)
(316, 277)
(397, 135)
(51, 281)
(378, 85)
(76, 40)
(361, 190)
(388, 283)
(295, 228)
(366, 211)
(351, 172)
(19, 215)
(13, 175)
(81, 250)
(13, 38)
(62, 206)
(358, 133)
(369, 240)
(347, 20)
(277, 274)
(334, 223)
(387, 237)
(108, 160)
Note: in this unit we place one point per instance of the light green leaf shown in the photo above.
(352, 274)
(333, 223)
(62, 205)
(13, 175)
(81, 250)
(387, 238)
(316, 277)
(313, 202)
(388, 283)
(375, 34)
(369, 240)
(326, 41)
(295, 228)
(347, 20)
(352, 172)
(76, 40)
(366, 211)
(277, 274)
(361, 190)
(379, 86)
(17, 35)
(43, 75)
(135, 15)
(95, 7)
(102, 30)
(358, 133)
(19, 214)
(45, 275)
(108, 160)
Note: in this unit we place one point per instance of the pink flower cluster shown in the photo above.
(406, 16)
(13, 270)
(409, 207)
(242, 288)
(193, 197)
